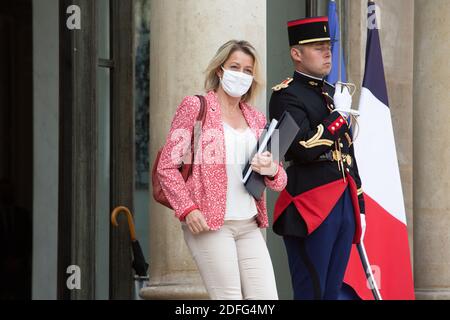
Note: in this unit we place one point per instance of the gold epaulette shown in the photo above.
(282, 85)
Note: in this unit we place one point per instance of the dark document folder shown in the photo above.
(278, 142)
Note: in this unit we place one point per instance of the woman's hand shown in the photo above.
(196, 222)
(263, 164)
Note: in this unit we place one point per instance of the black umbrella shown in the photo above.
(139, 265)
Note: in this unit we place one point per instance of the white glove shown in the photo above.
(363, 226)
(343, 101)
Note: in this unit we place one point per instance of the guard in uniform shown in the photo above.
(321, 211)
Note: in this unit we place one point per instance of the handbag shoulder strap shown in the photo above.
(202, 113)
(198, 127)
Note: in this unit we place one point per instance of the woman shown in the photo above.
(220, 219)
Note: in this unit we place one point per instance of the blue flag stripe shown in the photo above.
(333, 23)
(374, 79)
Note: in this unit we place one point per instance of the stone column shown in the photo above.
(431, 150)
(185, 34)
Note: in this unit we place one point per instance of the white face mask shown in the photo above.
(235, 83)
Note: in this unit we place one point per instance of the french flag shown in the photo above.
(386, 238)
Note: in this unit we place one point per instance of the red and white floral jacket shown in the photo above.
(206, 188)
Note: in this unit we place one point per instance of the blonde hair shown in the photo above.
(212, 80)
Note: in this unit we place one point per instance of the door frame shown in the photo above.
(78, 157)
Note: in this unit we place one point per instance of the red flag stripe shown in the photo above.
(386, 242)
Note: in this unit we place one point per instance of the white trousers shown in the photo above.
(234, 261)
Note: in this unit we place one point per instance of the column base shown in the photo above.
(433, 294)
(175, 286)
(174, 292)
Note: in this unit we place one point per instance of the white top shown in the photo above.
(238, 147)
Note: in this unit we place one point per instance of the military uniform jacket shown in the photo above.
(320, 162)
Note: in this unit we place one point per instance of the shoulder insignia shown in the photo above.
(282, 85)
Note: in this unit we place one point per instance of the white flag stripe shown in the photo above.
(375, 149)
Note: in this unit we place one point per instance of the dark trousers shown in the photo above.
(317, 263)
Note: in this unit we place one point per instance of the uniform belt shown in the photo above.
(327, 156)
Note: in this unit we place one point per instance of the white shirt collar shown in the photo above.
(308, 75)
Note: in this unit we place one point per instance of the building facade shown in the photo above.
(87, 93)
